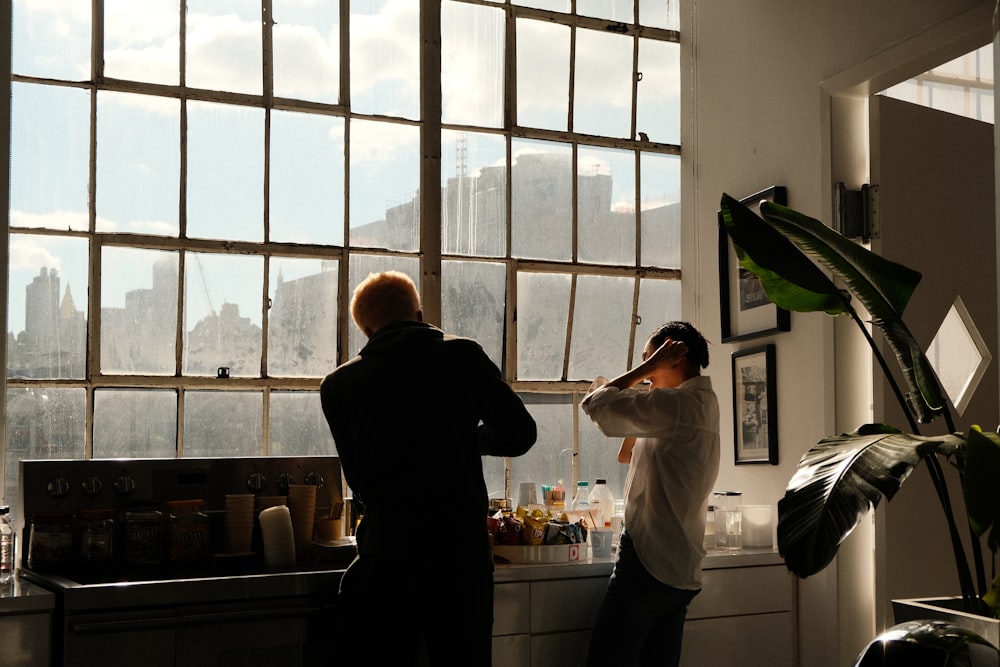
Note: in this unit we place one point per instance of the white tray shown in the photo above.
(553, 553)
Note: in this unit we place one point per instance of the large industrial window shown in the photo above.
(197, 186)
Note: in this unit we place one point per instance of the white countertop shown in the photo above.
(602, 567)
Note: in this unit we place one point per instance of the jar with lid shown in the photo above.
(189, 528)
(144, 537)
(602, 503)
(95, 544)
(50, 541)
(728, 520)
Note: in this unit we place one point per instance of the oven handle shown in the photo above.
(166, 622)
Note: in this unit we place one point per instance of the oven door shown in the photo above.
(281, 632)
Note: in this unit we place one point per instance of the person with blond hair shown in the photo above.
(411, 416)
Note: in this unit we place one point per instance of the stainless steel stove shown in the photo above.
(226, 609)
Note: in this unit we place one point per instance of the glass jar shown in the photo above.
(50, 544)
(189, 528)
(96, 530)
(144, 538)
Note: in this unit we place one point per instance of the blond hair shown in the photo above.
(384, 298)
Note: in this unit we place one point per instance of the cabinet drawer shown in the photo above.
(566, 604)
(746, 590)
(767, 639)
(510, 609)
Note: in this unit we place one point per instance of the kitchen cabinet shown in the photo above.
(25, 624)
(745, 612)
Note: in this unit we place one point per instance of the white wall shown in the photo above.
(774, 97)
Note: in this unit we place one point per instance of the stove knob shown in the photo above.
(315, 478)
(92, 486)
(125, 485)
(256, 482)
(58, 487)
(284, 480)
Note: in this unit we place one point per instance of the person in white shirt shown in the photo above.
(670, 432)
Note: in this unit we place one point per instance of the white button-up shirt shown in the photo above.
(673, 470)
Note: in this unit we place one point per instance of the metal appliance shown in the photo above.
(226, 610)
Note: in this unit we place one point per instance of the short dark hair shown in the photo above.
(697, 346)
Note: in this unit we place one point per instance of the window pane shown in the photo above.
(385, 180)
(141, 40)
(542, 315)
(554, 5)
(306, 203)
(472, 65)
(306, 38)
(361, 266)
(225, 183)
(302, 323)
(385, 58)
(660, 210)
(224, 45)
(606, 205)
(598, 458)
(602, 101)
(231, 335)
(298, 427)
(602, 321)
(473, 303)
(223, 423)
(138, 311)
(658, 105)
(541, 200)
(51, 39)
(135, 423)
(49, 143)
(659, 302)
(474, 203)
(550, 461)
(42, 423)
(542, 74)
(138, 163)
(47, 322)
(660, 13)
(616, 10)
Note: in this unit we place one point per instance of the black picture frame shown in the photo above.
(746, 311)
(755, 423)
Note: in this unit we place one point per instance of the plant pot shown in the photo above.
(947, 609)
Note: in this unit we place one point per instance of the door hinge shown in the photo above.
(855, 212)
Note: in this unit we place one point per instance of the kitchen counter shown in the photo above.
(598, 567)
(543, 612)
(26, 623)
(21, 596)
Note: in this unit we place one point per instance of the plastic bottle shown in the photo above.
(579, 507)
(602, 503)
(7, 542)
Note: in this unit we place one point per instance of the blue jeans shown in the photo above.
(641, 620)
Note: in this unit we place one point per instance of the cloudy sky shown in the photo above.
(138, 137)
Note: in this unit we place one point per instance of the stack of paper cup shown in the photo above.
(278, 538)
(302, 507)
(263, 502)
(239, 522)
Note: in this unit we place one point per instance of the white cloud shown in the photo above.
(50, 220)
(26, 253)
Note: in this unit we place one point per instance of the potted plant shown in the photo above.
(805, 266)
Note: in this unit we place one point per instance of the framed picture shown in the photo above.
(746, 310)
(755, 406)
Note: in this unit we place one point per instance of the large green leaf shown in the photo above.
(982, 488)
(787, 249)
(838, 481)
(790, 279)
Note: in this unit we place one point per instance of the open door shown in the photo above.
(935, 213)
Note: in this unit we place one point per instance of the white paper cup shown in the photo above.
(600, 542)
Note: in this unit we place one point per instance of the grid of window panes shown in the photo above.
(190, 209)
(963, 86)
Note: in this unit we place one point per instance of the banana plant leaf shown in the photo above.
(982, 488)
(787, 249)
(838, 481)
